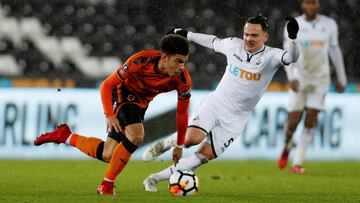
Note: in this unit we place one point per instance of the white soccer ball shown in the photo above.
(183, 183)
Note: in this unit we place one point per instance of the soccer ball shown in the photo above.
(183, 183)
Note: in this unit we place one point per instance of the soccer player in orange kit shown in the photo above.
(143, 76)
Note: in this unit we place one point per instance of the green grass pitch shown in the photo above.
(220, 181)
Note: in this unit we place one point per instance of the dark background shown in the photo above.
(120, 28)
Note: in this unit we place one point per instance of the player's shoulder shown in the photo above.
(229, 40)
(273, 50)
(300, 18)
(327, 20)
(234, 40)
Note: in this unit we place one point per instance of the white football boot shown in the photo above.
(150, 184)
(156, 149)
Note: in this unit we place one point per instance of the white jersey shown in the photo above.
(314, 38)
(247, 75)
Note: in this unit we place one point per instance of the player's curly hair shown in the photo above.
(174, 44)
(260, 19)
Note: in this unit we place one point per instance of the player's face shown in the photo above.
(254, 37)
(310, 8)
(173, 65)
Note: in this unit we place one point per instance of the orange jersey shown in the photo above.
(139, 81)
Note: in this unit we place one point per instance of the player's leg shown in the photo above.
(202, 156)
(315, 102)
(203, 116)
(215, 143)
(305, 140)
(194, 136)
(131, 117)
(290, 128)
(163, 145)
(91, 146)
(295, 112)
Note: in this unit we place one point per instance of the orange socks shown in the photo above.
(118, 161)
(89, 145)
(121, 155)
(94, 147)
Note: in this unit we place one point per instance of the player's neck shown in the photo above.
(160, 68)
(310, 18)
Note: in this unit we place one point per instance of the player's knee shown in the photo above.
(137, 140)
(106, 155)
(193, 136)
(311, 119)
(191, 141)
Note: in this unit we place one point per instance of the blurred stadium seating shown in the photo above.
(85, 40)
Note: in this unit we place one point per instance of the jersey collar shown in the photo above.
(250, 55)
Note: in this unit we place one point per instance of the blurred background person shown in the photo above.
(310, 78)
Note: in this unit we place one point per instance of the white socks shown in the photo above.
(304, 141)
(68, 139)
(190, 162)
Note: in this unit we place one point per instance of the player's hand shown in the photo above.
(292, 27)
(177, 154)
(294, 85)
(340, 88)
(178, 31)
(113, 122)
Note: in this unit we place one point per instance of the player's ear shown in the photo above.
(266, 37)
(163, 57)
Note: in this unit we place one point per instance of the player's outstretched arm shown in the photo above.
(199, 38)
(292, 48)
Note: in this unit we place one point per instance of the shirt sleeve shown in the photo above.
(106, 88)
(202, 39)
(291, 53)
(182, 120)
(289, 69)
(111, 82)
(225, 46)
(334, 34)
(184, 94)
(336, 55)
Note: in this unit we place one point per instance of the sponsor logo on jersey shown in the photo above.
(243, 74)
(131, 97)
(125, 69)
(309, 43)
(259, 62)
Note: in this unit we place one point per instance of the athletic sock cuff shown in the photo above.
(99, 151)
(72, 139)
(201, 157)
(129, 146)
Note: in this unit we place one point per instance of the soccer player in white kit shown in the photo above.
(309, 78)
(221, 117)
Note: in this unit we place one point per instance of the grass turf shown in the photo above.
(220, 181)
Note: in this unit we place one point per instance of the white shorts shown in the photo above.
(221, 124)
(309, 96)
